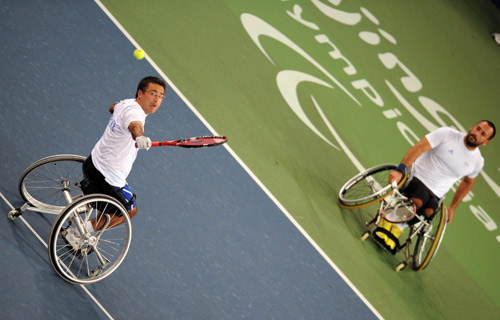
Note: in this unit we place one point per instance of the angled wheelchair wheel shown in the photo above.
(94, 255)
(367, 187)
(42, 183)
(429, 240)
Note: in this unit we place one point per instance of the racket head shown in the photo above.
(202, 142)
(402, 211)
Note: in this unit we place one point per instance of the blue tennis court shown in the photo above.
(208, 242)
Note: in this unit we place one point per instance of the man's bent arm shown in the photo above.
(463, 188)
(411, 155)
(136, 129)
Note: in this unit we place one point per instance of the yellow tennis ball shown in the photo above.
(139, 54)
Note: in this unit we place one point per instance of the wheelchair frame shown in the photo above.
(371, 186)
(52, 186)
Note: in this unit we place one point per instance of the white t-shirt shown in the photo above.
(448, 161)
(115, 153)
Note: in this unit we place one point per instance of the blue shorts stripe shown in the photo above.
(127, 193)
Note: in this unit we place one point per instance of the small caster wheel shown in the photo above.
(13, 214)
(401, 266)
(365, 235)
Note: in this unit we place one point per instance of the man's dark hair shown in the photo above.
(492, 126)
(144, 83)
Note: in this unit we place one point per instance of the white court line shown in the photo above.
(242, 164)
(46, 246)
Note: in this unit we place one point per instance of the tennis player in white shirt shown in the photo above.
(440, 159)
(111, 160)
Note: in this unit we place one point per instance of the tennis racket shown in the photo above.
(402, 211)
(397, 207)
(195, 142)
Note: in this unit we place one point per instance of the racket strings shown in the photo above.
(400, 211)
(203, 141)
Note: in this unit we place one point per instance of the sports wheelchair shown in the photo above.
(52, 185)
(425, 234)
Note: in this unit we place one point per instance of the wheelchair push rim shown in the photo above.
(368, 187)
(99, 252)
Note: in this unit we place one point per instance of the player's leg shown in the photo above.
(127, 198)
(95, 182)
(114, 220)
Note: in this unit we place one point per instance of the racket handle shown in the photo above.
(163, 143)
(153, 144)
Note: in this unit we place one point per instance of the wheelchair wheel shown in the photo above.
(42, 183)
(96, 254)
(367, 187)
(429, 240)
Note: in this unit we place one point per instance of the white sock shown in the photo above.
(89, 227)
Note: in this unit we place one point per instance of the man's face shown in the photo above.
(479, 135)
(151, 98)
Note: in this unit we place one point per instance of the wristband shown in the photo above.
(401, 168)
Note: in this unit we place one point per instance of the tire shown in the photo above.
(99, 253)
(429, 240)
(42, 183)
(367, 187)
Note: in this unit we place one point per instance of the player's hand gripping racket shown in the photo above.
(196, 142)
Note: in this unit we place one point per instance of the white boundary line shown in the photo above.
(242, 164)
(46, 246)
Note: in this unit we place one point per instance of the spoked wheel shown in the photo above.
(42, 183)
(367, 187)
(429, 240)
(92, 256)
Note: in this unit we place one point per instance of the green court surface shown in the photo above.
(311, 92)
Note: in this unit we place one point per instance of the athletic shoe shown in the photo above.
(72, 237)
(78, 248)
